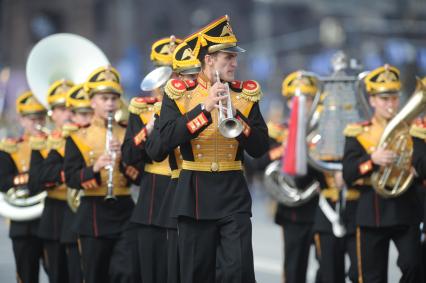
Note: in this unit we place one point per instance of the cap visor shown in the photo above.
(83, 110)
(233, 49)
(388, 94)
(191, 71)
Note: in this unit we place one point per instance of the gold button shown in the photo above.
(198, 146)
(215, 167)
(231, 146)
(200, 155)
(180, 156)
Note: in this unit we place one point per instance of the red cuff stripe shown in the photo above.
(197, 123)
(140, 137)
(365, 167)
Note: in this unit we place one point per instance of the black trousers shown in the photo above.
(106, 259)
(152, 244)
(55, 259)
(373, 252)
(298, 238)
(173, 275)
(199, 241)
(330, 252)
(75, 274)
(28, 252)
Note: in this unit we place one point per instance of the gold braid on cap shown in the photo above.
(184, 60)
(26, 104)
(383, 79)
(164, 56)
(57, 92)
(226, 39)
(298, 81)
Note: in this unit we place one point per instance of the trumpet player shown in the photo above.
(50, 177)
(15, 163)
(186, 66)
(106, 206)
(380, 220)
(151, 232)
(212, 203)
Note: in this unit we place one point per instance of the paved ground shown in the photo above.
(267, 247)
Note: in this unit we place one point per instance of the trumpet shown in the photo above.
(110, 197)
(229, 127)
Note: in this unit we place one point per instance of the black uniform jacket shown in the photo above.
(374, 210)
(157, 150)
(155, 176)
(96, 217)
(15, 161)
(206, 191)
(418, 131)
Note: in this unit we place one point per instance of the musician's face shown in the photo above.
(102, 103)
(82, 118)
(30, 122)
(385, 107)
(225, 63)
(60, 115)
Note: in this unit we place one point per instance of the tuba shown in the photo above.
(281, 187)
(393, 180)
(62, 56)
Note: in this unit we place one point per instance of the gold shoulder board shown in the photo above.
(38, 143)
(55, 140)
(353, 130)
(9, 145)
(251, 91)
(139, 105)
(175, 89)
(418, 131)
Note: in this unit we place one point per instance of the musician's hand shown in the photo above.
(215, 96)
(150, 126)
(338, 179)
(383, 157)
(103, 161)
(115, 145)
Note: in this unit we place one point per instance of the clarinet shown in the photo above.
(110, 197)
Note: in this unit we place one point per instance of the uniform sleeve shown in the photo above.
(274, 153)
(356, 162)
(77, 174)
(254, 138)
(52, 170)
(133, 148)
(155, 147)
(8, 171)
(419, 157)
(36, 165)
(178, 129)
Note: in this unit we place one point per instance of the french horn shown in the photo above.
(393, 180)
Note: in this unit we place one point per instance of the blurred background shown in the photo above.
(279, 35)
